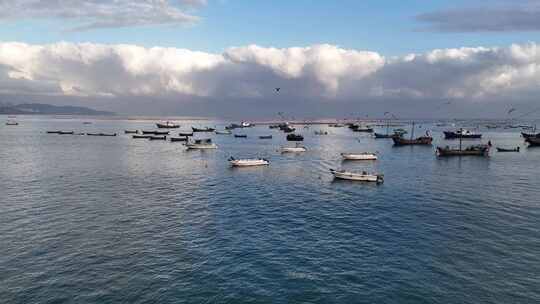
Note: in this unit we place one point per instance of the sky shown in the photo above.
(226, 57)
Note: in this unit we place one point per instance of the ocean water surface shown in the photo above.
(119, 220)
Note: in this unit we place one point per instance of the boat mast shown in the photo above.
(460, 137)
(412, 131)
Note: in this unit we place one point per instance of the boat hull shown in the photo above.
(344, 175)
(399, 141)
(360, 156)
(454, 135)
(484, 151)
(248, 162)
(533, 141)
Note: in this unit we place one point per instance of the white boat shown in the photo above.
(359, 156)
(245, 124)
(363, 177)
(12, 123)
(248, 162)
(295, 149)
(167, 125)
(201, 144)
(225, 132)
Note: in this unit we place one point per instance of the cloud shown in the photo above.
(314, 74)
(94, 14)
(515, 17)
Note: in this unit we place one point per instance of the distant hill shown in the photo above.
(47, 109)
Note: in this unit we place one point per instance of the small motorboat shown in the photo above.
(131, 131)
(161, 132)
(149, 132)
(248, 162)
(54, 132)
(265, 137)
(141, 136)
(203, 129)
(201, 144)
(295, 137)
(516, 149)
(155, 137)
(185, 134)
(240, 135)
(362, 177)
(225, 132)
(167, 125)
(296, 149)
(100, 134)
(177, 139)
(245, 124)
(359, 156)
(12, 123)
(66, 132)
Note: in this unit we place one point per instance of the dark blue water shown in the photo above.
(117, 220)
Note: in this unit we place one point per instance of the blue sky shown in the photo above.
(387, 27)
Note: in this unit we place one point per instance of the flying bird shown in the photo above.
(277, 89)
(511, 110)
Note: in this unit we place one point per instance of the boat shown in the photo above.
(336, 125)
(296, 149)
(186, 133)
(158, 137)
(288, 129)
(265, 137)
(529, 135)
(232, 126)
(203, 129)
(12, 123)
(201, 144)
(380, 135)
(248, 162)
(87, 123)
(240, 135)
(177, 139)
(362, 128)
(363, 176)
(321, 132)
(461, 133)
(246, 124)
(516, 149)
(295, 137)
(474, 150)
(359, 156)
(100, 134)
(141, 136)
(226, 132)
(66, 133)
(161, 132)
(54, 132)
(149, 132)
(422, 140)
(533, 141)
(167, 125)
(131, 131)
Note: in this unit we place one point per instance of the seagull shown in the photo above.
(277, 89)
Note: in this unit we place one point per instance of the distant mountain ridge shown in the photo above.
(47, 109)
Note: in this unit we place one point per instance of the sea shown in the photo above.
(87, 219)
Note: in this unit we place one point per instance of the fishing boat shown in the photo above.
(101, 134)
(141, 136)
(296, 149)
(12, 123)
(186, 133)
(359, 156)
(533, 141)
(248, 162)
(149, 132)
(131, 131)
(295, 137)
(225, 132)
(265, 137)
(161, 132)
(240, 135)
(516, 149)
(362, 177)
(167, 125)
(201, 144)
(177, 139)
(288, 129)
(207, 129)
(362, 128)
(474, 150)
(529, 135)
(158, 137)
(381, 135)
(461, 133)
(422, 140)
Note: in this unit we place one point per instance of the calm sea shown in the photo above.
(118, 220)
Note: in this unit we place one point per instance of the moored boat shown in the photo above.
(461, 133)
(359, 156)
(207, 129)
(225, 132)
(533, 141)
(240, 135)
(248, 162)
(101, 134)
(363, 176)
(296, 149)
(131, 131)
(12, 123)
(265, 137)
(177, 139)
(295, 137)
(422, 140)
(201, 144)
(475, 150)
(186, 133)
(141, 136)
(66, 132)
(529, 135)
(156, 137)
(321, 132)
(167, 125)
